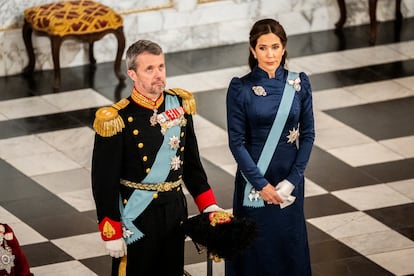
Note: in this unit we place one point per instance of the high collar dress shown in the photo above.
(281, 247)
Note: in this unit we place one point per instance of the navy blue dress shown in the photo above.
(281, 247)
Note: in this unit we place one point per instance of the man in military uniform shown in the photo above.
(145, 150)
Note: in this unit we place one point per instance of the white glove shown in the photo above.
(285, 189)
(116, 248)
(212, 208)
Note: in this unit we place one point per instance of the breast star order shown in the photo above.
(175, 163)
(174, 142)
(293, 135)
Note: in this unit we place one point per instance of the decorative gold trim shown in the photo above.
(154, 8)
(10, 27)
(206, 1)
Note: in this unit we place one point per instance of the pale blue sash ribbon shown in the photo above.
(140, 199)
(272, 140)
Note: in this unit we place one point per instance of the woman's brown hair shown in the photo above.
(262, 27)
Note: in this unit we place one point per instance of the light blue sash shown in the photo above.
(140, 199)
(272, 140)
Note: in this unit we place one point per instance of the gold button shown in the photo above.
(140, 145)
(155, 196)
(130, 119)
(182, 149)
(148, 170)
(178, 189)
(125, 201)
(145, 158)
(180, 176)
(135, 132)
(182, 134)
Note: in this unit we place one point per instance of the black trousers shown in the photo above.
(161, 251)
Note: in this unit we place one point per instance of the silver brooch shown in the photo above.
(295, 83)
(259, 91)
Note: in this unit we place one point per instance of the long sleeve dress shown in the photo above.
(281, 247)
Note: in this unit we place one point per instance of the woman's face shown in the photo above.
(268, 52)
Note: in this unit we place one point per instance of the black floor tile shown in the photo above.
(8, 173)
(22, 187)
(63, 225)
(325, 205)
(333, 174)
(315, 235)
(353, 266)
(100, 265)
(381, 120)
(390, 171)
(400, 217)
(44, 253)
(336, 249)
(213, 99)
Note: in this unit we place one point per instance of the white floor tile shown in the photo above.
(380, 91)
(340, 137)
(85, 98)
(404, 146)
(405, 48)
(81, 200)
(82, 246)
(312, 189)
(335, 98)
(43, 163)
(398, 262)
(65, 181)
(372, 197)
(201, 269)
(378, 242)
(71, 268)
(22, 146)
(373, 55)
(26, 107)
(405, 187)
(325, 121)
(25, 234)
(366, 154)
(69, 139)
(348, 224)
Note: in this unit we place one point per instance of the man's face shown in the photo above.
(149, 78)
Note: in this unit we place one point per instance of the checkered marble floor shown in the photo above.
(359, 183)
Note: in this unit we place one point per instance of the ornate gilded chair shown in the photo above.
(83, 20)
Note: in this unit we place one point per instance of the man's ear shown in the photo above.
(132, 75)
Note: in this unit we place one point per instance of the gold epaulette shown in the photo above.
(107, 120)
(189, 103)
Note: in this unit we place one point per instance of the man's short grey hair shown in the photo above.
(138, 48)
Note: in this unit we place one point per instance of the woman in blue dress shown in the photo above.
(271, 133)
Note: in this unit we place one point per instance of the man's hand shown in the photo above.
(116, 248)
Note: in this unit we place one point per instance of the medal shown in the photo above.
(153, 118)
(6, 260)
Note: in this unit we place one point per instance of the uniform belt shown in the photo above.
(159, 187)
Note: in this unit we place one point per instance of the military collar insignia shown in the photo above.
(296, 84)
(259, 91)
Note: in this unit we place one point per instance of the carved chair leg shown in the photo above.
(27, 38)
(398, 14)
(92, 59)
(372, 4)
(342, 11)
(119, 33)
(56, 42)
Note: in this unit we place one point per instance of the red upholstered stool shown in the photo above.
(83, 20)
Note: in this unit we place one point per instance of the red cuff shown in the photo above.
(110, 229)
(205, 199)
